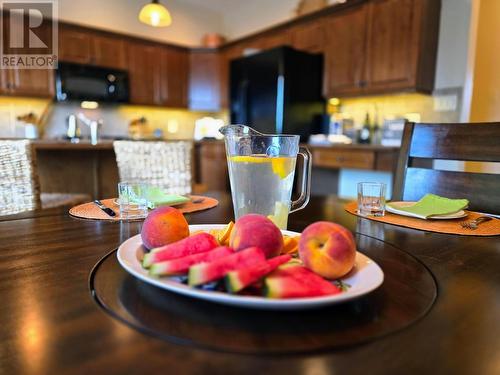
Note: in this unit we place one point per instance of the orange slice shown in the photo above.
(225, 233)
(290, 244)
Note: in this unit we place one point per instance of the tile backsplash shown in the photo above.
(171, 123)
(12, 107)
(442, 106)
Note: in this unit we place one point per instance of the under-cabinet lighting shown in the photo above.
(86, 104)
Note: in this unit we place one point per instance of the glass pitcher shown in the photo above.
(261, 172)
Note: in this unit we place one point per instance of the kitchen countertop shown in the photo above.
(59, 144)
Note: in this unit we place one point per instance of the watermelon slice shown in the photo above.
(195, 244)
(296, 281)
(241, 278)
(180, 266)
(206, 272)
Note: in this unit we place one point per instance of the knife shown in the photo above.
(108, 210)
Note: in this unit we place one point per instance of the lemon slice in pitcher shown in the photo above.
(281, 165)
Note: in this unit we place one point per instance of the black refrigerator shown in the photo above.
(278, 91)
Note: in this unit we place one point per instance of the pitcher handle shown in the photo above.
(305, 187)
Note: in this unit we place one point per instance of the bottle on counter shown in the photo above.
(364, 135)
(376, 136)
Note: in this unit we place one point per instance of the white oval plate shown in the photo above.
(456, 215)
(365, 277)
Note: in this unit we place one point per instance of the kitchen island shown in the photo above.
(66, 167)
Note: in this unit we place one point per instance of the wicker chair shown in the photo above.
(19, 188)
(19, 185)
(163, 164)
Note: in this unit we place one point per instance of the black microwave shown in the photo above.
(85, 82)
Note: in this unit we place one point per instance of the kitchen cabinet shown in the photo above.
(211, 165)
(174, 73)
(382, 46)
(83, 46)
(158, 75)
(74, 45)
(393, 44)
(204, 81)
(144, 71)
(275, 39)
(309, 36)
(345, 52)
(28, 82)
(109, 51)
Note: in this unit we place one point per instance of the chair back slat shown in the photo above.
(19, 186)
(164, 164)
(463, 142)
(466, 142)
(479, 188)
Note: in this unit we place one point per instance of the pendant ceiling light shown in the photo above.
(155, 14)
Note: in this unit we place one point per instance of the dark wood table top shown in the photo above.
(51, 325)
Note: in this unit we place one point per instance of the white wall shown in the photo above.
(191, 20)
(245, 17)
(453, 43)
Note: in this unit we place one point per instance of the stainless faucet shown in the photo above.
(94, 126)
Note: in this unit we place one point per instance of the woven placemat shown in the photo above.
(91, 211)
(488, 228)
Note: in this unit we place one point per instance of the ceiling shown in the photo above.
(191, 18)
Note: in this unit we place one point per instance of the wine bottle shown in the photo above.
(365, 133)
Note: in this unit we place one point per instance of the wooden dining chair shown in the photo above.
(422, 144)
(167, 165)
(19, 183)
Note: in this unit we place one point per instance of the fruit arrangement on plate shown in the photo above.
(248, 257)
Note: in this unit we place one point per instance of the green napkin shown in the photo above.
(432, 204)
(157, 197)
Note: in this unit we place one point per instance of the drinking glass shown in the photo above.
(371, 198)
(132, 200)
(261, 173)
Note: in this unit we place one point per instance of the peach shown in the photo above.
(163, 226)
(256, 230)
(327, 249)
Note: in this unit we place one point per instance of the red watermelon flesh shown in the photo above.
(180, 266)
(296, 281)
(243, 277)
(195, 244)
(206, 272)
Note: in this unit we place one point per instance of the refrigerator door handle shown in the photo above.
(280, 103)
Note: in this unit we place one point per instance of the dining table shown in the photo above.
(66, 306)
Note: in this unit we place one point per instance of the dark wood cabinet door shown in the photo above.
(392, 44)
(109, 51)
(27, 82)
(144, 74)
(204, 82)
(31, 82)
(310, 36)
(74, 45)
(174, 75)
(345, 52)
(4, 81)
